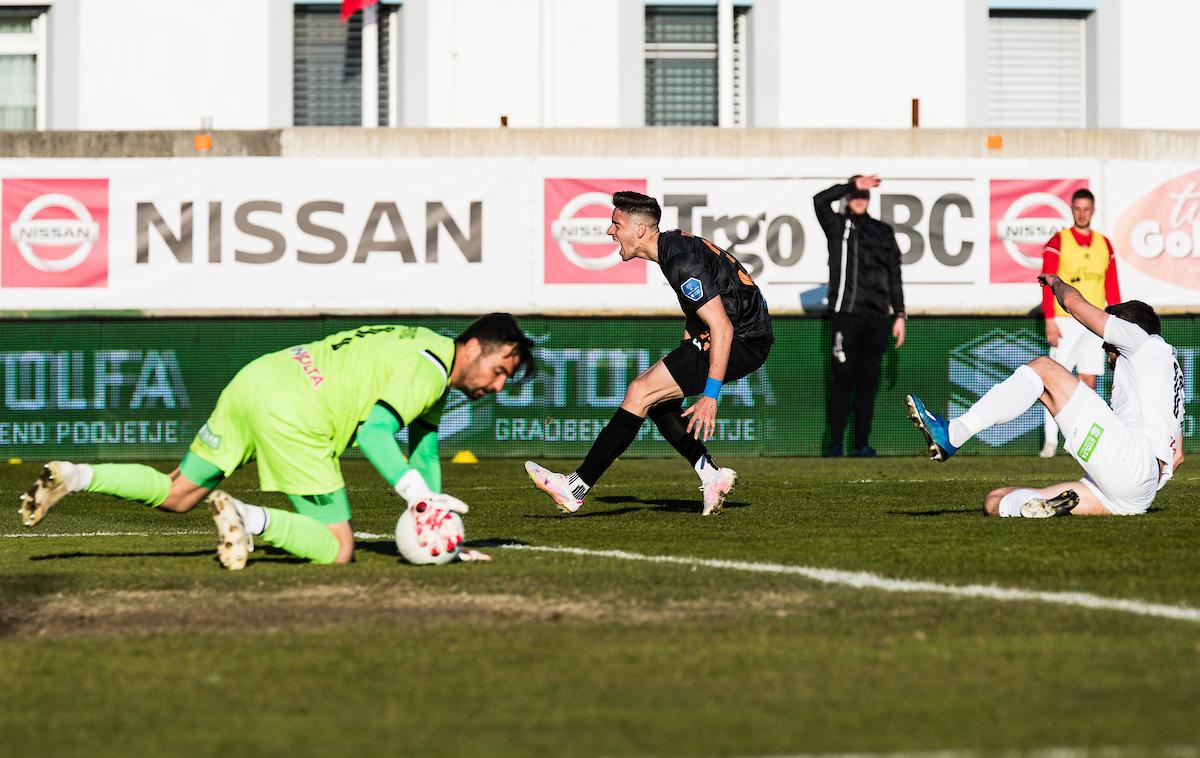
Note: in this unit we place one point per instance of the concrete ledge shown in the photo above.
(700, 142)
(741, 143)
(172, 144)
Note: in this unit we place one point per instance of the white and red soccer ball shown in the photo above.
(428, 535)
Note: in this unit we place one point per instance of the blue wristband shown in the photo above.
(712, 388)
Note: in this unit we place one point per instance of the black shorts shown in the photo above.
(688, 363)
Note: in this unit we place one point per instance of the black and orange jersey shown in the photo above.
(698, 271)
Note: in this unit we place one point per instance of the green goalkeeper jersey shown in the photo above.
(339, 379)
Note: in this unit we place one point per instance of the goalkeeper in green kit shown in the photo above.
(295, 412)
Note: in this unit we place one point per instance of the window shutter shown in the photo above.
(327, 67)
(681, 66)
(1037, 71)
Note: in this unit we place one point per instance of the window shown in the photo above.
(681, 65)
(1037, 68)
(22, 68)
(327, 66)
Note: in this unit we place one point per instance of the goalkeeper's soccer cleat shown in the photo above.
(935, 428)
(234, 543)
(1059, 505)
(53, 485)
(554, 485)
(717, 490)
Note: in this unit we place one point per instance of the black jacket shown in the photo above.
(864, 260)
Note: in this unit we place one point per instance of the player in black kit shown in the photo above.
(727, 336)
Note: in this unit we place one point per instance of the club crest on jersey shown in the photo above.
(692, 289)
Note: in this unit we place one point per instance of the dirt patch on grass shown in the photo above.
(123, 613)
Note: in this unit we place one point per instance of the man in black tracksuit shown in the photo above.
(864, 281)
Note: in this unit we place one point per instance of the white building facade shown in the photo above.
(257, 64)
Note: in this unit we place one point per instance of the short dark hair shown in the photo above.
(1137, 312)
(1083, 194)
(496, 330)
(637, 204)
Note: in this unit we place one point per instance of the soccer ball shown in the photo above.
(427, 535)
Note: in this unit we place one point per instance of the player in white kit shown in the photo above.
(1127, 451)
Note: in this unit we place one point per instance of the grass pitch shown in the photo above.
(140, 644)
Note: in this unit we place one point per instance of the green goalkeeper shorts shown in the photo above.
(261, 415)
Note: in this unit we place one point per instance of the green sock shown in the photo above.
(300, 535)
(132, 481)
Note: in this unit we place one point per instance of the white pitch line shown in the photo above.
(863, 580)
(23, 535)
(183, 532)
(856, 579)
(186, 532)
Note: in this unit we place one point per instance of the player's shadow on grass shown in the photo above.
(388, 547)
(261, 554)
(666, 505)
(672, 505)
(148, 554)
(938, 512)
(494, 542)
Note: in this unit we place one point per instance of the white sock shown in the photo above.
(579, 488)
(706, 469)
(1050, 427)
(1004, 402)
(1010, 504)
(255, 517)
(81, 477)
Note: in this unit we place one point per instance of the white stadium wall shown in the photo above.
(1158, 63)
(483, 60)
(843, 65)
(148, 64)
(154, 64)
(541, 64)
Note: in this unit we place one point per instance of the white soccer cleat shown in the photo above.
(1049, 449)
(1059, 505)
(554, 485)
(234, 543)
(717, 490)
(53, 485)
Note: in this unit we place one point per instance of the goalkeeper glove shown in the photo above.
(413, 489)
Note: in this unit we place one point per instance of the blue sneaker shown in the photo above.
(935, 428)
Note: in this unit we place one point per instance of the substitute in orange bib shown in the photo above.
(1085, 259)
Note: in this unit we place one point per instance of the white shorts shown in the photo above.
(1079, 348)
(1120, 465)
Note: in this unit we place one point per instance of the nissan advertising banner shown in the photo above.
(530, 235)
(264, 233)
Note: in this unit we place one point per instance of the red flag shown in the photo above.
(350, 7)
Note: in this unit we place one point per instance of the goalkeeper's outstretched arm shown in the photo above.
(1074, 303)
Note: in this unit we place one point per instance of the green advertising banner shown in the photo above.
(123, 389)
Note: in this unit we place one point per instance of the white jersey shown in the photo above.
(1147, 390)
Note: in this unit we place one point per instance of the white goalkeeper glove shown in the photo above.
(449, 503)
(413, 489)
